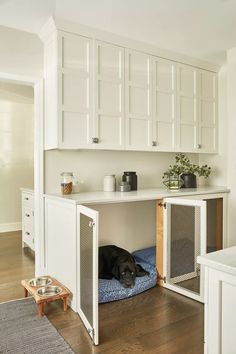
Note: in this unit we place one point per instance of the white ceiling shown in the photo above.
(199, 28)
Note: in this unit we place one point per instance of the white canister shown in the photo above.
(109, 183)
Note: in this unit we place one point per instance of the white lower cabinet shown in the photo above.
(61, 256)
(220, 304)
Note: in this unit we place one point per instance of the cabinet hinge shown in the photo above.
(161, 278)
(91, 224)
(91, 332)
(162, 205)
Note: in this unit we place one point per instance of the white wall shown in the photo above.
(21, 53)
(91, 166)
(16, 151)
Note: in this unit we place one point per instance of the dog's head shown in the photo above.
(125, 270)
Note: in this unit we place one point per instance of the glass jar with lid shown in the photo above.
(66, 182)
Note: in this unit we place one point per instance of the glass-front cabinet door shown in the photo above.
(184, 240)
(87, 269)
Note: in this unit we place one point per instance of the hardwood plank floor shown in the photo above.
(156, 321)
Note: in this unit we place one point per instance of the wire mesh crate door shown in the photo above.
(184, 245)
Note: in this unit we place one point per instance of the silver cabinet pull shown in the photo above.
(26, 198)
(28, 215)
(27, 233)
(95, 140)
(199, 146)
(154, 143)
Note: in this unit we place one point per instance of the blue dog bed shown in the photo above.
(111, 290)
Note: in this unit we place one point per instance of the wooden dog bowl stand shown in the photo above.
(41, 300)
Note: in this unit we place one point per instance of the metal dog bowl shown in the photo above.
(50, 290)
(40, 281)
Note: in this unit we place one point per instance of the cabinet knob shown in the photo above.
(154, 143)
(28, 215)
(27, 233)
(95, 140)
(199, 146)
(26, 198)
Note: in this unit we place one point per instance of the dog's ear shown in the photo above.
(115, 271)
(140, 272)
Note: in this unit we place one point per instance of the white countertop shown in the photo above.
(140, 195)
(223, 260)
(27, 190)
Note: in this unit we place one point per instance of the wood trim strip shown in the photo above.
(219, 223)
(159, 241)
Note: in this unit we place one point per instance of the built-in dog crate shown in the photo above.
(181, 228)
(189, 228)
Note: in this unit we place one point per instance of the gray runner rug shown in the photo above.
(21, 332)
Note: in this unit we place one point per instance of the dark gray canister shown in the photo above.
(132, 179)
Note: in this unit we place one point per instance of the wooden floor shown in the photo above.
(157, 321)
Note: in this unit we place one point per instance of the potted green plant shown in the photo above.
(185, 172)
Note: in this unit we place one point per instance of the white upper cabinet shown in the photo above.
(164, 105)
(207, 111)
(109, 119)
(100, 95)
(138, 100)
(75, 99)
(187, 106)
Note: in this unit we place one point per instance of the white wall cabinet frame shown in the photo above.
(109, 115)
(138, 100)
(164, 105)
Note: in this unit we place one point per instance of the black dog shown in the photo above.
(120, 264)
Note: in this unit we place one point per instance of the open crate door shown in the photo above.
(184, 240)
(88, 269)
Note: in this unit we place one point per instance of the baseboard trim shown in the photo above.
(14, 226)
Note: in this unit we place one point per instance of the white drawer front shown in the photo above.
(27, 199)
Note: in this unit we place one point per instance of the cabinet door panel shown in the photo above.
(80, 123)
(109, 99)
(75, 95)
(164, 135)
(208, 138)
(207, 111)
(109, 92)
(138, 104)
(109, 129)
(187, 120)
(110, 61)
(164, 102)
(75, 52)
(138, 130)
(138, 100)
(75, 92)
(139, 67)
(187, 137)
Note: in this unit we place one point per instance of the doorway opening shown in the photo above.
(20, 168)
